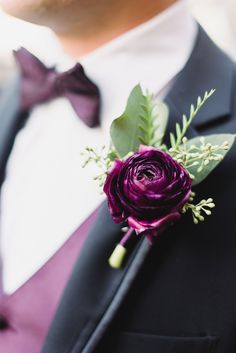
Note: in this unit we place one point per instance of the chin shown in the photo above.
(27, 10)
(21, 9)
(50, 13)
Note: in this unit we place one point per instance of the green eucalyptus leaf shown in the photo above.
(217, 139)
(125, 132)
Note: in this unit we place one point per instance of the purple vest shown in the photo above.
(25, 315)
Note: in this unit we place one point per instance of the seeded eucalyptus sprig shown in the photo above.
(199, 156)
(103, 160)
(200, 210)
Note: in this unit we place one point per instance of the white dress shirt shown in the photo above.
(46, 194)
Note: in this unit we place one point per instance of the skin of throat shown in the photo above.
(91, 33)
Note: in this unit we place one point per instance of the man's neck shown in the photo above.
(87, 37)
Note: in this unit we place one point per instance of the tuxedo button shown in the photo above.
(3, 323)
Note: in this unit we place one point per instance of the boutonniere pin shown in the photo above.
(148, 184)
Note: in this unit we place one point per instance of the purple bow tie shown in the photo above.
(41, 84)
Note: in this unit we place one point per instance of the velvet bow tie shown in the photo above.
(41, 84)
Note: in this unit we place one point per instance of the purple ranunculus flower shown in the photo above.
(148, 190)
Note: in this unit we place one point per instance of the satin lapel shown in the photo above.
(95, 291)
(10, 121)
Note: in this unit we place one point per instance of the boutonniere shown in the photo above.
(148, 184)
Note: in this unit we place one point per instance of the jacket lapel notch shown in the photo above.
(207, 68)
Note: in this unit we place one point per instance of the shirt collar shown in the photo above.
(151, 54)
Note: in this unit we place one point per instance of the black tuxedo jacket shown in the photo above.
(180, 295)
